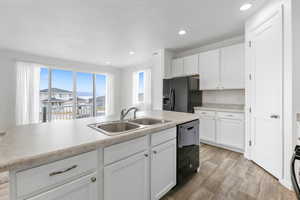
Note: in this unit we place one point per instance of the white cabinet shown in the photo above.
(230, 133)
(207, 129)
(224, 129)
(190, 65)
(83, 188)
(163, 169)
(232, 67)
(177, 67)
(128, 179)
(209, 70)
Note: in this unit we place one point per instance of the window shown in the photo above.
(61, 102)
(85, 97)
(100, 90)
(142, 89)
(62, 105)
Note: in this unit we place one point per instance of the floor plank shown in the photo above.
(224, 175)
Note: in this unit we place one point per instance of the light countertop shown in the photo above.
(222, 107)
(25, 146)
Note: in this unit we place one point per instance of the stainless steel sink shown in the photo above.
(148, 121)
(115, 128)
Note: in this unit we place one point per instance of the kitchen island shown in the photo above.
(68, 159)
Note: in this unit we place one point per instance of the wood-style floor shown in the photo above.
(224, 175)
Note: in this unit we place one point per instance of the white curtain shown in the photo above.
(27, 93)
(135, 89)
(146, 104)
(109, 98)
(147, 80)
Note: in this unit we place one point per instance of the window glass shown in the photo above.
(141, 91)
(84, 92)
(100, 94)
(44, 94)
(61, 95)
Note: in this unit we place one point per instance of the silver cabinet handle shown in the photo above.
(229, 115)
(146, 155)
(275, 116)
(63, 171)
(155, 152)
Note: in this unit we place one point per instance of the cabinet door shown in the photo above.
(190, 65)
(207, 129)
(127, 179)
(163, 169)
(209, 70)
(177, 67)
(83, 188)
(233, 67)
(230, 133)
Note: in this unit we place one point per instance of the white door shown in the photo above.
(233, 67)
(83, 188)
(207, 129)
(190, 65)
(177, 67)
(267, 50)
(231, 133)
(209, 70)
(163, 169)
(127, 179)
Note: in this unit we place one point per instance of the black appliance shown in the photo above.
(296, 156)
(188, 161)
(181, 94)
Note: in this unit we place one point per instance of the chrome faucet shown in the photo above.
(125, 112)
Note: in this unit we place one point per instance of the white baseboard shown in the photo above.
(286, 183)
(222, 146)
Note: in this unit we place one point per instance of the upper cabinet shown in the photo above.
(177, 67)
(209, 69)
(232, 67)
(190, 65)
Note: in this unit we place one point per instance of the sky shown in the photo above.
(141, 82)
(63, 79)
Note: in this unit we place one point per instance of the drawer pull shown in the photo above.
(93, 179)
(229, 115)
(63, 171)
(203, 113)
(155, 152)
(146, 155)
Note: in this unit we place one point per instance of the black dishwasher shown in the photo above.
(187, 150)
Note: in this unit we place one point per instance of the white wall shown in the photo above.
(8, 59)
(224, 97)
(212, 46)
(289, 82)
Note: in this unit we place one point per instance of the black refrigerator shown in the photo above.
(181, 94)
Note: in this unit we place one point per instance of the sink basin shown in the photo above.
(148, 121)
(115, 128)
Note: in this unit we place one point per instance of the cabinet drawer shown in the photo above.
(228, 115)
(45, 176)
(204, 113)
(163, 136)
(123, 150)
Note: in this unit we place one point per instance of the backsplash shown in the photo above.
(224, 97)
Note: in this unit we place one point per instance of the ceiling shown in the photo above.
(97, 31)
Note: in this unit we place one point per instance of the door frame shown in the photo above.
(249, 137)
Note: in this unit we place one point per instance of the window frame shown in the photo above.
(74, 92)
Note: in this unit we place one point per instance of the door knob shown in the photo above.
(275, 116)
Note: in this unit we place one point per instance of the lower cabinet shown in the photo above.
(207, 129)
(128, 179)
(229, 133)
(83, 188)
(163, 169)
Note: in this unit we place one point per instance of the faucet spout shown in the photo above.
(125, 112)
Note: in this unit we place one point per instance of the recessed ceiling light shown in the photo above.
(107, 62)
(245, 7)
(131, 52)
(182, 32)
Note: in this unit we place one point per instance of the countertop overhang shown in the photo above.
(31, 145)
